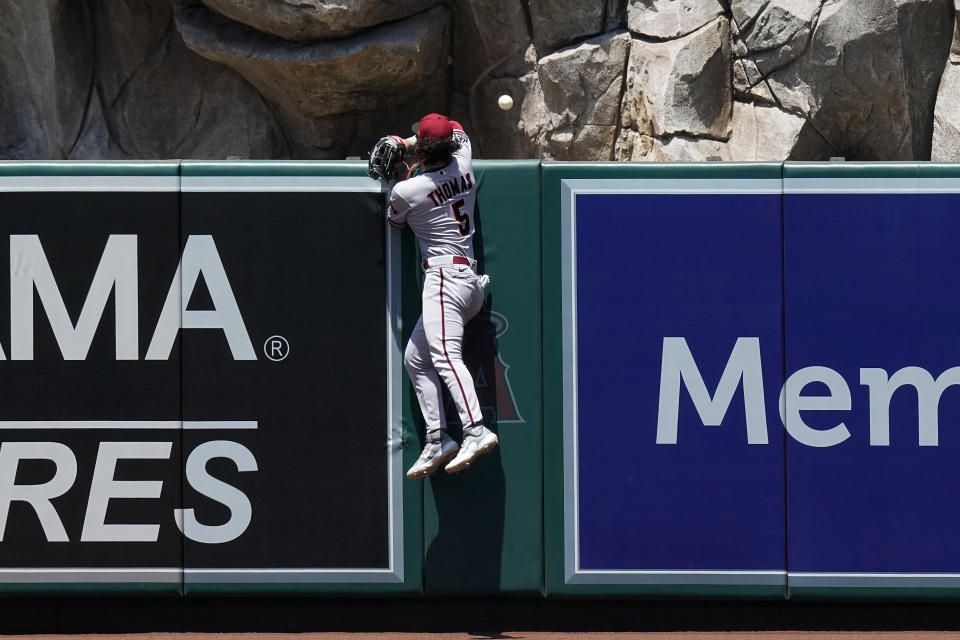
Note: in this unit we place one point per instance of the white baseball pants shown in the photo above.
(452, 295)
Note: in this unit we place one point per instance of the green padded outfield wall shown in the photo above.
(483, 528)
(204, 391)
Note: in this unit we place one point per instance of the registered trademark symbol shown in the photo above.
(276, 348)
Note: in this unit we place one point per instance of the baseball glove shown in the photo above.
(385, 157)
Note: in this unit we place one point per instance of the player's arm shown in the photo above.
(461, 136)
(397, 209)
(406, 143)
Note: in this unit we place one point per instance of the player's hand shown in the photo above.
(484, 281)
(386, 154)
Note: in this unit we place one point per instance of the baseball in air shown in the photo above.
(505, 102)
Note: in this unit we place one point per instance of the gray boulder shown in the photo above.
(681, 86)
(139, 93)
(338, 95)
(46, 77)
(557, 23)
(571, 109)
(749, 84)
(616, 15)
(492, 52)
(730, 79)
(148, 81)
(670, 18)
(865, 72)
(774, 32)
(946, 123)
(955, 49)
(308, 20)
(498, 133)
(758, 132)
(491, 40)
(946, 117)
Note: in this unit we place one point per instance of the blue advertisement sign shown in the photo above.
(872, 406)
(673, 333)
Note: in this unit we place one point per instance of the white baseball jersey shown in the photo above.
(438, 205)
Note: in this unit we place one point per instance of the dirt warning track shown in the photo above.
(519, 635)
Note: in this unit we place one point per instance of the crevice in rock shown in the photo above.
(623, 93)
(649, 39)
(576, 42)
(813, 24)
(91, 84)
(813, 127)
(280, 125)
(746, 26)
(796, 112)
(800, 114)
(162, 44)
(528, 18)
(774, 47)
(732, 76)
(112, 132)
(86, 113)
(471, 94)
(197, 112)
(754, 99)
(907, 136)
(304, 4)
(690, 135)
(743, 61)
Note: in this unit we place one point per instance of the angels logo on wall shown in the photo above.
(481, 353)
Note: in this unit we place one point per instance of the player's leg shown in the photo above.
(444, 308)
(450, 298)
(426, 383)
(439, 446)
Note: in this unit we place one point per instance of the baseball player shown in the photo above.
(437, 204)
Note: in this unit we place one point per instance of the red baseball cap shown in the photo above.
(434, 125)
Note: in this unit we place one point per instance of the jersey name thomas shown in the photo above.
(439, 205)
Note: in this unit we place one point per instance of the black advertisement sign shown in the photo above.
(90, 460)
(309, 270)
(199, 387)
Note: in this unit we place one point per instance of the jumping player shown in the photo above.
(438, 205)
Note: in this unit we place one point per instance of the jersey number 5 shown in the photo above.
(463, 221)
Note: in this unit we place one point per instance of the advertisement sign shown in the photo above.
(90, 421)
(305, 373)
(671, 293)
(873, 355)
(201, 388)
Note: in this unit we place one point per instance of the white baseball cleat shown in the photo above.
(432, 457)
(477, 441)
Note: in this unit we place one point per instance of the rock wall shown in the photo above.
(591, 79)
(946, 121)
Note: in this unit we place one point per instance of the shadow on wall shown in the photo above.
(465, 554)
